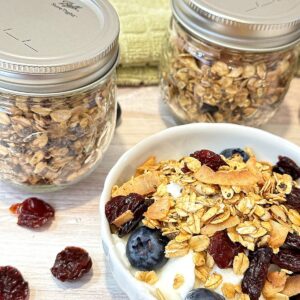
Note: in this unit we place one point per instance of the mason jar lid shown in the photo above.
(252, 25)
(50, 46)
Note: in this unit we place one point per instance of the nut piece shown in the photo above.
(240, 264)
(178, 281)
(148, 277)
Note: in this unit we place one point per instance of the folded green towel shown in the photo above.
(144, 24)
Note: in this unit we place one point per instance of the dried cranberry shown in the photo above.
(287, 166)
(71, 264)
(223, 250)
(293, 199)
(293, 241)
(288, 259)
(185, 169)
(256, 275)
(136, 203)
(209, 158)
(33, 212)
(12, 284)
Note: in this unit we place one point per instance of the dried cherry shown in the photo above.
(256, 275)
(286, 165)
(12, 284)
(223, 250)
(33, 212)
(288, 259)
(209, 158)
(185, 169)
(293, 241)
(136, 203)
(71, 264)
(293, 199)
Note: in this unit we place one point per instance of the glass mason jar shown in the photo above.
(57, 104)
(227, 62)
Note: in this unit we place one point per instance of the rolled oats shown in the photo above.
(55, 141)
(207, 83)
(228, 290)
(178, 281)
(148, 277)
(240, 264)
(213, 281)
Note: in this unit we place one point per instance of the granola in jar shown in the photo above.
(213, 73)
(57, 103)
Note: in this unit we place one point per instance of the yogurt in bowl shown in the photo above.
(199, 263)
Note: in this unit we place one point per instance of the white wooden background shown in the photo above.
(77, 218)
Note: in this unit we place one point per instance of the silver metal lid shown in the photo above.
(252, 25)
(50, 46)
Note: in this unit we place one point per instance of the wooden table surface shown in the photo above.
(77, 218)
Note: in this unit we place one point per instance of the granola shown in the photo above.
(202, 82)
(55, 141)
(245, 200)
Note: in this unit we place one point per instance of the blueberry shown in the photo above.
(228, 153)
(145, 249)
(203, 294)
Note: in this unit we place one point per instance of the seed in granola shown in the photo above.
(145, 249)
(203, 294)
(119, 205)
(288, 259)
(223, 250)
(256, 275)
(286, 165)
(209, 158)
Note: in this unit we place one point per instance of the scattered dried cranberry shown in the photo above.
(293, 199)
(120, 204)
(33, 212)
(287, 259)
(209, 158)
(255, 276)
(293, 241)
(287, 166)
(71, 264)
(12, 284)
(223, 250)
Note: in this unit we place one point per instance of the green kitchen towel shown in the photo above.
(144, 24)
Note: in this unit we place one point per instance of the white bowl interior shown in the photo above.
(173, 143)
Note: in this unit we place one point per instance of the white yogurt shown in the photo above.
(179, 265)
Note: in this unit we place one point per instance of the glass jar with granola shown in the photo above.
(57, 90)
(229, 61)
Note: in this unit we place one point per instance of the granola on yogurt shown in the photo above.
(236, 218)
